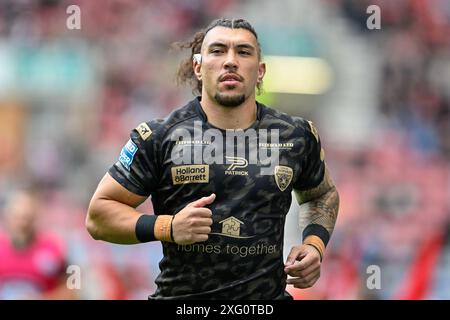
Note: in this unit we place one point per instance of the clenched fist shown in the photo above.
(193, 223)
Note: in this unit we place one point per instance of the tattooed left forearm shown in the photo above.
(319, 205)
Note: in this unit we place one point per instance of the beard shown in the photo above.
(229, 100)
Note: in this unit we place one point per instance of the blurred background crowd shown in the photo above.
(68, 99)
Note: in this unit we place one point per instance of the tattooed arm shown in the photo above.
(318, 212)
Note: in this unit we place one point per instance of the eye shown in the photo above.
(245, 53)
(216, 51)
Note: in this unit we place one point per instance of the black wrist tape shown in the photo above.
(145, 226)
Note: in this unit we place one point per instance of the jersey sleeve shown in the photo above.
(312, 159)
(136, 168)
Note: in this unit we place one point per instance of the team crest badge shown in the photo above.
(283, 176)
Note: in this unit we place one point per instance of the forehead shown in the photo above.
(229, 36)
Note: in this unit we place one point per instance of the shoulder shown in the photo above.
(4, 239)
(157, 129)
(272, 114)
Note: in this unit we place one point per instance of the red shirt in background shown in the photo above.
(32, 271)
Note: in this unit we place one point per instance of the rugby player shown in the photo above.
(220, 198)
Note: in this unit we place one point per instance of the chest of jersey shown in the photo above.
(239, 160)
(248, 171)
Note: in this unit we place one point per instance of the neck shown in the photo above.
(240, 117)
(22, 241)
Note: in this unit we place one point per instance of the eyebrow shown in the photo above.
(240, 46)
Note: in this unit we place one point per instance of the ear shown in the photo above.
(196, 66)
(261, 71)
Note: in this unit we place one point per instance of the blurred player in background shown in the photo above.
(221, 223)
(33, 263)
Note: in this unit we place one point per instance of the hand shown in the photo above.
(306, 271)
(193, 223)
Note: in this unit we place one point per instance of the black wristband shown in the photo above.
(145, 227)
(317, 230)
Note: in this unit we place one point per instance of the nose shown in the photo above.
(231, 61)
